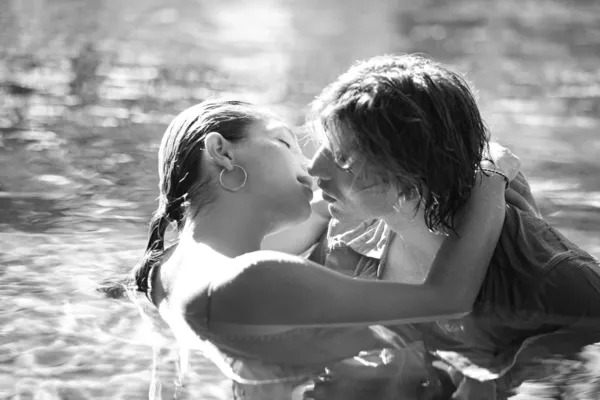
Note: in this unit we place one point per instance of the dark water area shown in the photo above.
(88, 86)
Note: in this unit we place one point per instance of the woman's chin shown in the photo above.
(303, 213)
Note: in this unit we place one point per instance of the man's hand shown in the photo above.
(379, 375)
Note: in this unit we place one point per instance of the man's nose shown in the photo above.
(318, 166)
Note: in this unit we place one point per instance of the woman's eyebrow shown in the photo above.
(279, 127)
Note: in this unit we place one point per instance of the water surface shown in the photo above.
(88, 87)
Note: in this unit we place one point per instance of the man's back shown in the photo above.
(538, 283)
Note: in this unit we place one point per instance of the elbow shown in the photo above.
(450, 304)
(456, 314)
(459, 307)
(438, 313)
(456, 308)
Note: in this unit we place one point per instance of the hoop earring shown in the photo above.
(237, 188)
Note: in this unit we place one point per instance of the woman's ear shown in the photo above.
(220, 150)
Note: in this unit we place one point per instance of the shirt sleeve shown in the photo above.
(519, 195)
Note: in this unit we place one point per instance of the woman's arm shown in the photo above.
(518, 193)
(299, 238)
(268, 288)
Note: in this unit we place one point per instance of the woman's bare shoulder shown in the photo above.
(187, 277)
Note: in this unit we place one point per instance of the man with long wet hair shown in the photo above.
(413, 123)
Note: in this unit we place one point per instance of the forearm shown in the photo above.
(293, 293)
(286, 291)
(312, 349)
(299, 238)
(461, 263)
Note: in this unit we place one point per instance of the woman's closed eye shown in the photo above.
(287, 144)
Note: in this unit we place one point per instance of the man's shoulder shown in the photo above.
(530, 244)
(569, 290)
(573, 263)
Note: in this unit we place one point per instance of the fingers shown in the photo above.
(323, 389)
(504, 160)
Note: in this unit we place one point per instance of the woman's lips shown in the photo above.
(309, 193)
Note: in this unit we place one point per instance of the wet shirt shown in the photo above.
(533, 270)
(538, 283)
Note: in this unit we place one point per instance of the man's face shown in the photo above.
(352, 193)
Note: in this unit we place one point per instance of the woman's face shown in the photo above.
(277, 178)
(352, 193)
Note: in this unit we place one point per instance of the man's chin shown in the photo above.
(342, 215)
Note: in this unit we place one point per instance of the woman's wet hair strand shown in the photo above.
(183, 188)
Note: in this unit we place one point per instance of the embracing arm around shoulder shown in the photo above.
(273, 289)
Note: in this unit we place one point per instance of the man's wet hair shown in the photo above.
(414, 123)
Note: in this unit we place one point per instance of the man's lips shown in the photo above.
(328, 198)
(325, 193)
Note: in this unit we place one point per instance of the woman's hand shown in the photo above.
(502, 160)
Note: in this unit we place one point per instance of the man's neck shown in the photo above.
(414, 248)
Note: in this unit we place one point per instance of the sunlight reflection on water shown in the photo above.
(79, 131)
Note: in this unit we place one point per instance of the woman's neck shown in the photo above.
(230, 229)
